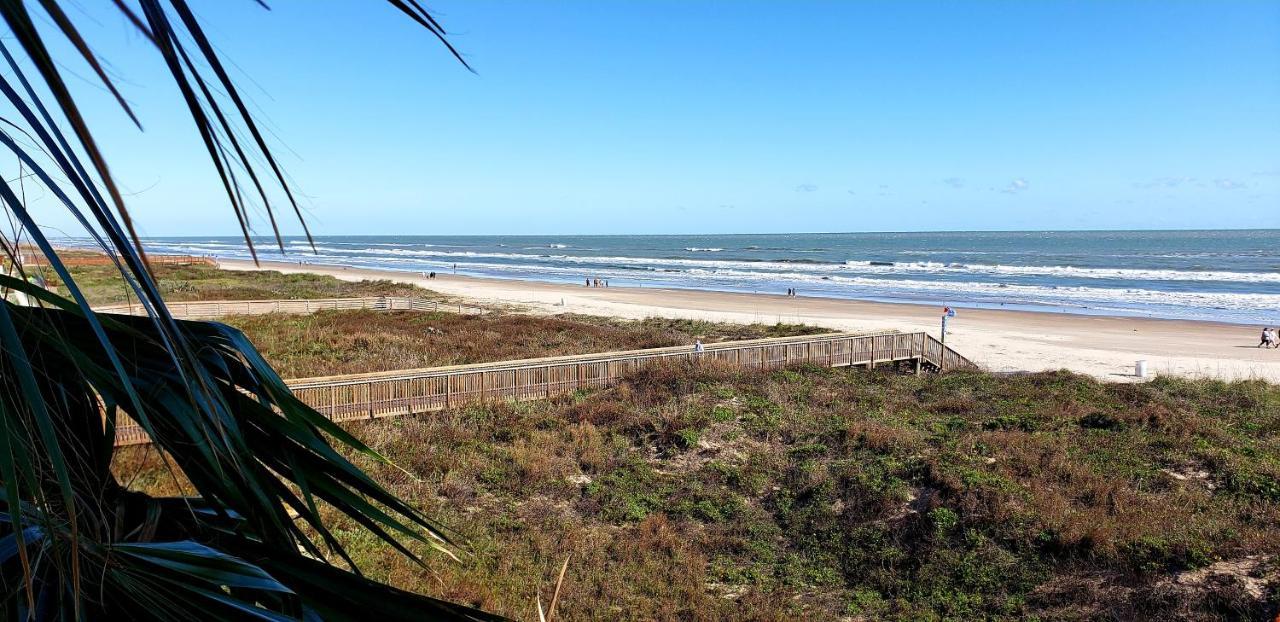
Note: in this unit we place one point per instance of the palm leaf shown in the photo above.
(74, 543)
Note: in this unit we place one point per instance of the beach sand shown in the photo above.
(999, 340)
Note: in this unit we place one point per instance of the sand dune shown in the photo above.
(1105, 347)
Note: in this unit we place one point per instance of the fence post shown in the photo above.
(369, 397)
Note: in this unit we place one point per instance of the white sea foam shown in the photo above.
(1180, 292)
(1128, 274)
(852, 267)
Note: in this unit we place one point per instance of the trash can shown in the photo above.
(1140, 369)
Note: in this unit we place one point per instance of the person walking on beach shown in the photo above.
(1268, 338)
(588, 282)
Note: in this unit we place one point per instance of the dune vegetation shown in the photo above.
(715, 493)
(358, 341)
(710, 493)
(347, 342)
(103, 285)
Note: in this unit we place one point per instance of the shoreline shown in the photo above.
(1001, 340)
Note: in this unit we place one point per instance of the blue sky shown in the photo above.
(710, 117)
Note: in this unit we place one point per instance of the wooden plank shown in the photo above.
(419, 390)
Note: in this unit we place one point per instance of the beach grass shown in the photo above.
(348, 342)
(103, 285)
(719, 493)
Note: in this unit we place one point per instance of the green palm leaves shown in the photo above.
(74, 543)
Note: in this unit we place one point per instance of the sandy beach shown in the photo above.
(1002, 341)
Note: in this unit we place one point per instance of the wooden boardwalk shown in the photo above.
(92, 258)
(385, 394)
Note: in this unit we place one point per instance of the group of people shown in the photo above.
(791, 292)
(1268, 338)
(597, 282)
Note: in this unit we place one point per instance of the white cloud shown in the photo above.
(1016, 186)
(1165, 182)
(1229, 184)
(954, 182)
(806, 188)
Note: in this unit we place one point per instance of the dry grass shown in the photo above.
(344, 342)
(706, 493)
(103, 285)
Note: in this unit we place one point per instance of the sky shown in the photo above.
(719, 117)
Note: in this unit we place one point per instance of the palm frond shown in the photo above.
(74, 543)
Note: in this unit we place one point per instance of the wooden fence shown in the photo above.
(385, 394)
(207, 309)
(92, 258)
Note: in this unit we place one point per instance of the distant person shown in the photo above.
(588, 282)
(697, 346)
(1268, 338)
(432, 275)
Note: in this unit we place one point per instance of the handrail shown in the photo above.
(384, 394)
(195, 309)
(101, 259)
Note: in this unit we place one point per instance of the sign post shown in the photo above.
(946, 313)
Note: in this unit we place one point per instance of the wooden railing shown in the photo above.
(384, 394)
(88, 258)
(217, 308)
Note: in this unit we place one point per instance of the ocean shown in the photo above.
(1229, 276)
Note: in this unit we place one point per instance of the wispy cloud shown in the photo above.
(1016, 186)
(1229, 184)
(954, 182)
(806, 188)
(1165, 182)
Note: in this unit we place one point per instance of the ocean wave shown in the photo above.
(696, 249)
(785, 264)
(1127, 274)
(1131, 298)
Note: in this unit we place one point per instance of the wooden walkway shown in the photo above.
(93, 258)
(385, 394)
(209, 309)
